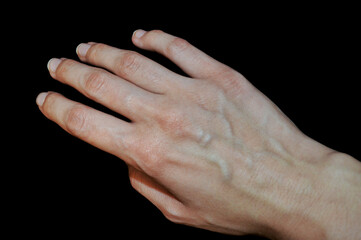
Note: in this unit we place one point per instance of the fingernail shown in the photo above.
(139, 33)
(40, 98)
(82, 49)
(53, 64)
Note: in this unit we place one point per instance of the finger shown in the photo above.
(172, 208)
(190, 59)
(92, 126)
(129, 65)
(103, 87)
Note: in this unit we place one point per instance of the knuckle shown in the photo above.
(63, 69)
(145, 153)
(229, 73)
(176, 46)
(76, 121)
(49, 103)
(128, 64)
(152, 162)
(94, 83)
(154, 34)
(94, 51)
(233, 83)
(172, 120)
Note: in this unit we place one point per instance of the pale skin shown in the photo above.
(209, 150)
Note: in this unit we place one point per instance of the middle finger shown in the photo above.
(130, 65)
(101, 86)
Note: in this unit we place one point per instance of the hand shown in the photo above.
(208, 150)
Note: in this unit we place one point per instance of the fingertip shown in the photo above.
(53, 64)
(41, 98)
(137, 35)
(82, 49)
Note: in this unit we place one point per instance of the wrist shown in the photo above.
(329, 207)
(341, 197)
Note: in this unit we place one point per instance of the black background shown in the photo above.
(304, 58)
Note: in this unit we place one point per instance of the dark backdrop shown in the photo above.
(304, 58)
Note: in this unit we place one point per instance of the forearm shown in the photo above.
(341, 197)
(331, 207)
